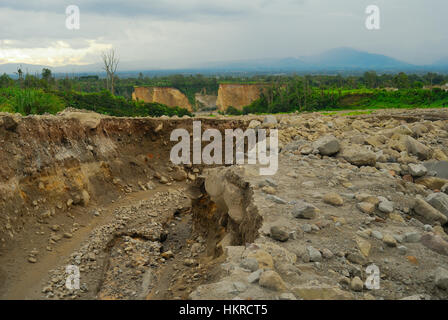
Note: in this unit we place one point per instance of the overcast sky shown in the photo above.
(181, 33)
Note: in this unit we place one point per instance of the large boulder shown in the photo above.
(327, 145)
(358, 156)
(439, 201)
(410, 145)
(427, 213)
(433, 183)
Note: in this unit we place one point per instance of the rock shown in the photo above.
(402, 250)
(315, 255)
(333, 199)
(254, 124)
(427, 213)
(68, 235)
(271, 182)
(417, 170)
(268, 190)
(364, 246)
(249, 264)
(287, 296)
(412, 237)
(279, 234)
(254, 276)
(270, 119)
(386, 206)
(167, 254)
(411, 146)
(263, 258)
(377, 235)
(276, 199)
(272, 280)
(389, 240)
(358, 156)
(32, 260)
(356, 258)
(9, 123)
(441, 278)
(433, 183)
(327, 254)
(439, 201)
(180, 175)
(366, 207)
(356, 284)
(327, 145)
(85, 198)
(396, 217)
(306, 150)
(435, 243)
(163, 180)
(303, 210)
(190, 262)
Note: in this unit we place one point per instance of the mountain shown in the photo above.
(348, 58)
(337, 60)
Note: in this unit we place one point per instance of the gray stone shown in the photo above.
(439, 201)
(254, 276)
(402, 250)
(386, 206)
(428, 213)
(315, 255)
(303, 210)
(279, 234)
(412, 237)
(358, 156)
(270, 119)
(417, 170)
(276, 199)
(441, 278)
(327, 145)
(249, 264)
(377, 235)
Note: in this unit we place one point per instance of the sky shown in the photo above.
(185, 33)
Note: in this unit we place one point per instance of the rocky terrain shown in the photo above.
(100, 193)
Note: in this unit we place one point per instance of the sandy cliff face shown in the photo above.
(237, 95)
(169, 96)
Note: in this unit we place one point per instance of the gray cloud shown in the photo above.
(168, 33)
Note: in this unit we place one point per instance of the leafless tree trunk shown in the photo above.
(110, 61)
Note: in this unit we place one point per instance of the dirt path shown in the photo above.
(20, 279)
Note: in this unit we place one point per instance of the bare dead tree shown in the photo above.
(110, 60)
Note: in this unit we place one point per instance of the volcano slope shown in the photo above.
(356, 210)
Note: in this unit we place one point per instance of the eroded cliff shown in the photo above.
(169, 96)
(238, 95)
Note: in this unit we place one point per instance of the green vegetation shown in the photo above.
(44, 93)
(298, 95)
(32, 95)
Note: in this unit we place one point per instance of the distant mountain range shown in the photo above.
(335, 60)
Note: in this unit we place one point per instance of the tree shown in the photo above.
(110, 61)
